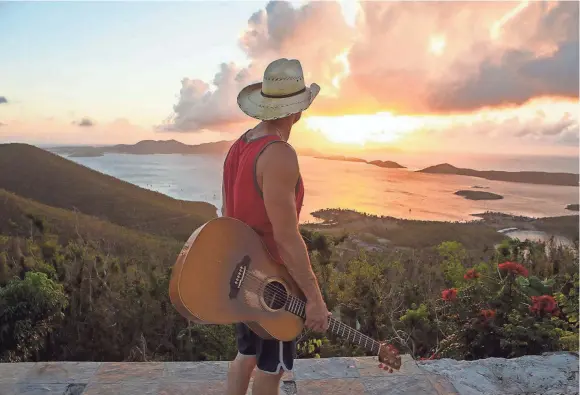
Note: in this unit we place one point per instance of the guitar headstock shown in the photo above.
(389, 357)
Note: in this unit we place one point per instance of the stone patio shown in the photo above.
(332, 376)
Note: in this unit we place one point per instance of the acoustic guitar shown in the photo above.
(224, 275)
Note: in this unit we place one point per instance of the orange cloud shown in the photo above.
(401, 57)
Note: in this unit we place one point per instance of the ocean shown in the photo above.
(399, 193)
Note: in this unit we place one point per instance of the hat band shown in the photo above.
(283, 96)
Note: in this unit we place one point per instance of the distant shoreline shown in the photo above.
(484, 229)
(387, 164)
(155, 147)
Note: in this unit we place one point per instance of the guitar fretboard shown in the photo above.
(297, 307)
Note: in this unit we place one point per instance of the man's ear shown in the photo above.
(297, 117)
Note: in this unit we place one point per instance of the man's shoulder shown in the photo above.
(279, 151)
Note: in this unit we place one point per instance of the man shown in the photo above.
(263, 188)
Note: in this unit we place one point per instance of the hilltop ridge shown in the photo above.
(528, 177)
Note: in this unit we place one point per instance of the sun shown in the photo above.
(361, 129)
(437, 45)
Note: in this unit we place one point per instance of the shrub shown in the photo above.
(30, 309)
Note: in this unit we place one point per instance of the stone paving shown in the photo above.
(328, 376)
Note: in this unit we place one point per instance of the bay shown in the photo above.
(399, 193)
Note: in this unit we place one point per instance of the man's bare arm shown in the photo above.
(278, 166)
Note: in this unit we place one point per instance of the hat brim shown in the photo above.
(252, 103)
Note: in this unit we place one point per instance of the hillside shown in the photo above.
(23, 217)
(528, 177)
(52, 180)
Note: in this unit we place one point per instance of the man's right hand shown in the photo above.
(317, 315)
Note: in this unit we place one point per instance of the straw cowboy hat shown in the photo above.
(281, 93)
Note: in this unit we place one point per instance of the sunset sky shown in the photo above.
(464, 76)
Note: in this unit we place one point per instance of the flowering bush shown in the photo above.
(497, 311)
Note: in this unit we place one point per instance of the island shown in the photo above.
(88, 152)
(380, 163)
(157, 147)
(573, 207)
(386, 164)
(528, 177)
(478, 195)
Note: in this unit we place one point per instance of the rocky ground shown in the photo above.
(550, 374)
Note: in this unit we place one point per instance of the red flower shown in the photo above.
(488, 314)
(544, 304)
(514, 267)
(470, 274)
(449, 294)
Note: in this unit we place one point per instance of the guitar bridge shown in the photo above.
(238, 276)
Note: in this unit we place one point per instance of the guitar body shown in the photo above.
(224, 275)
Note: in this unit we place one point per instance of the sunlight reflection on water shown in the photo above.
(348, 185)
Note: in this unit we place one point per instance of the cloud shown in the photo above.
(200, 108)
(521, 74)
(3, 100)
(562, 131)
(403, 57)
(84, 122)
(277, 31)
(539, 127)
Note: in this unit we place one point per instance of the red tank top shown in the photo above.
(243, 195)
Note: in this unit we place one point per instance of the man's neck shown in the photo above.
(273, 129)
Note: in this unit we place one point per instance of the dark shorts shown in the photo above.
(272, 356)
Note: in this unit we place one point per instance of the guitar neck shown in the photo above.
(297, 307)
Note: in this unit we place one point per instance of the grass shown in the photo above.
(39, 175)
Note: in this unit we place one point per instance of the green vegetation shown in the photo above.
(444, 302)
(92, 283)
(85, 262)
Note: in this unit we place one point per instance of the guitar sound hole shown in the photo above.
(275, 295)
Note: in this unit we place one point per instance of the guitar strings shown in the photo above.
(282, 297)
